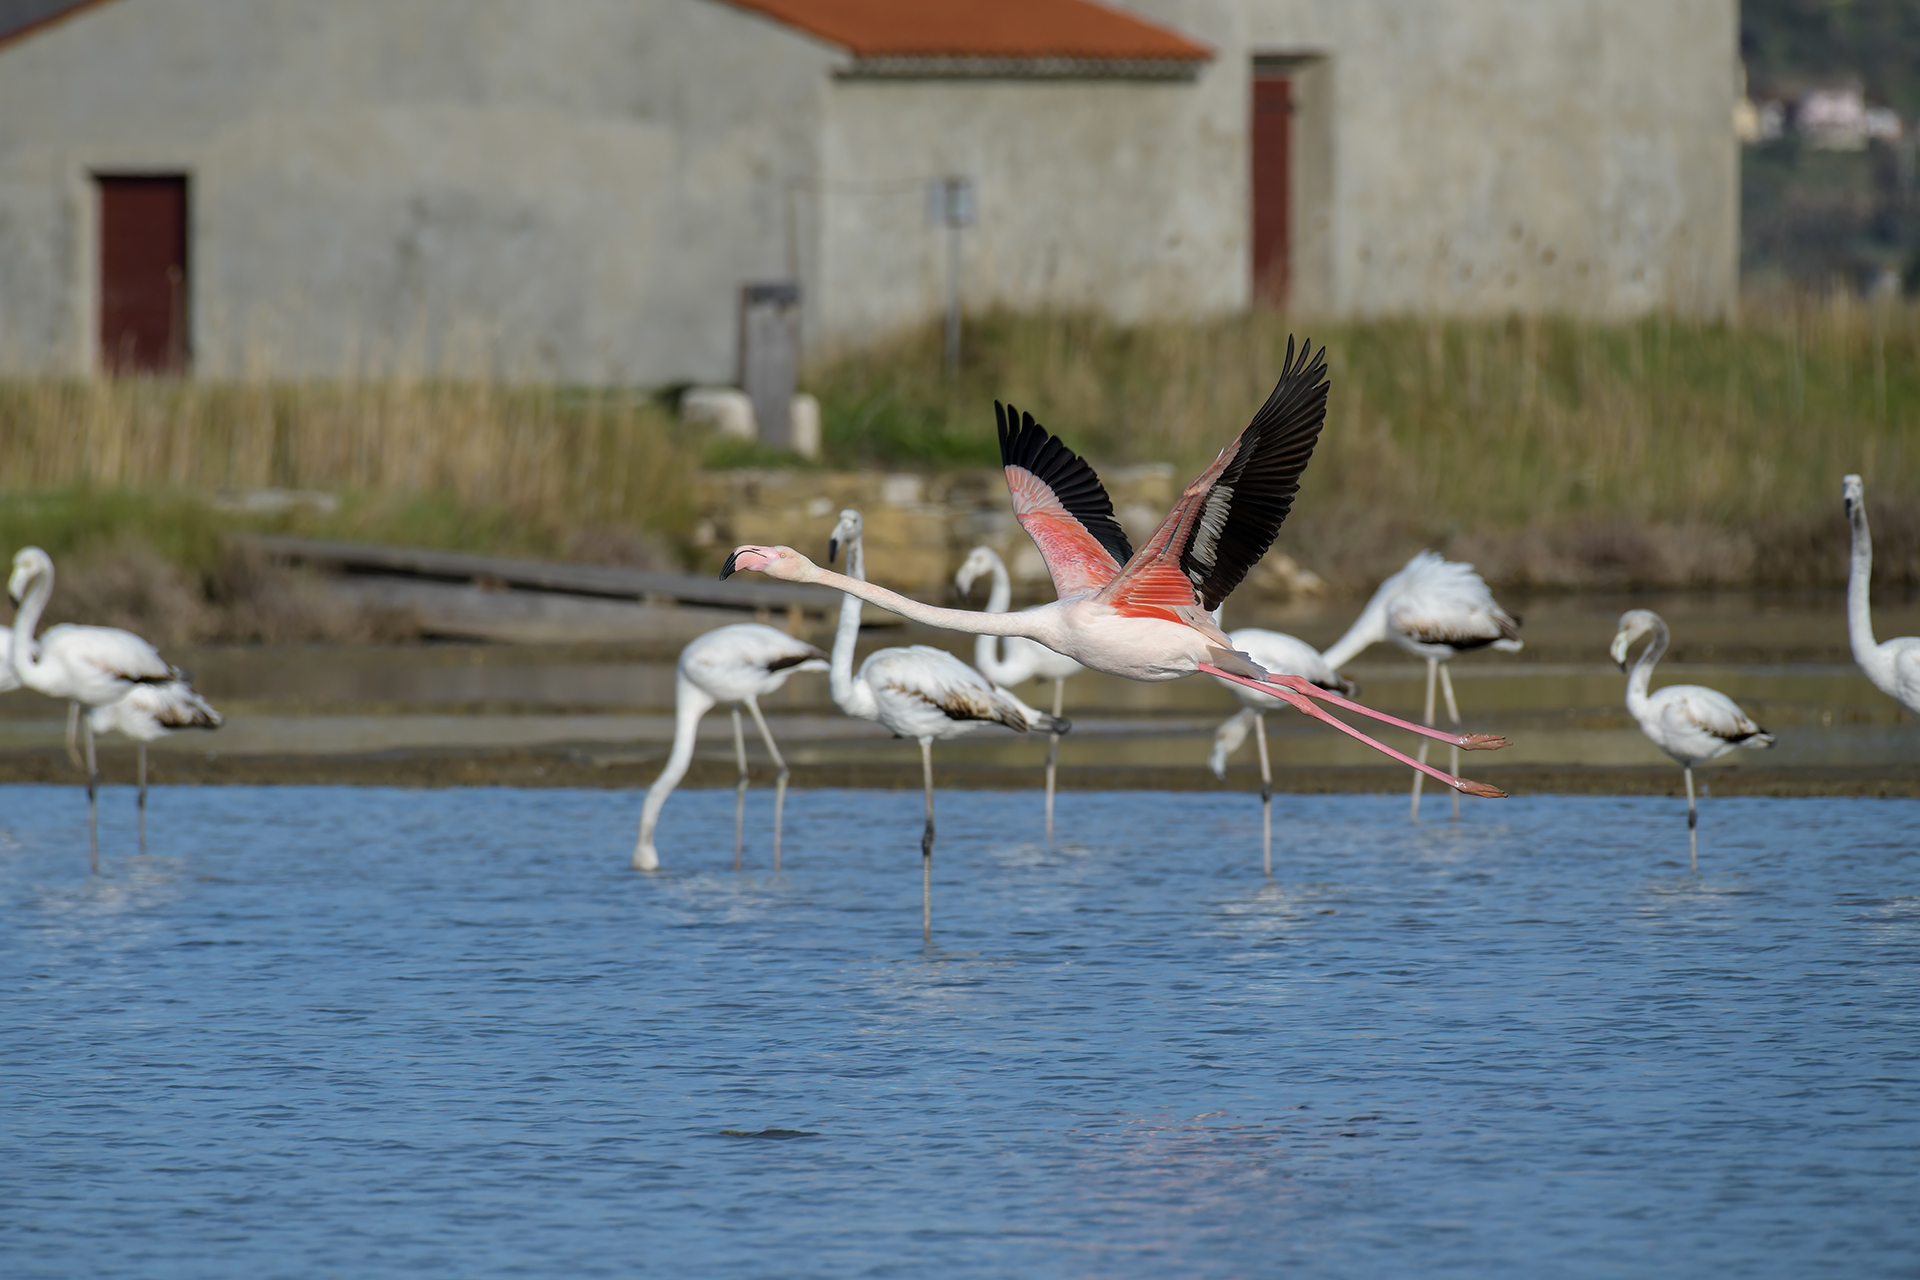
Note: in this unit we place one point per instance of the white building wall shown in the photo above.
(1494, 156)
(573, 189)
(576, 189)
(1119, 196)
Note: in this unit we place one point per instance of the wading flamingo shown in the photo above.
(1280, 654)
(148, 713)
(1434, 609)
(1688, 722)
(1147, 616)
(1013, 660)
(918, 692)
(737, 664)
(1892, 665)
(88, 666)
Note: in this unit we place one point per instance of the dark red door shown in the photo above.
(143, 274)
(1272, 135)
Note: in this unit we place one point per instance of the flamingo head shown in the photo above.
(29, 564)
(845, 533)
(1854, 494)
(1634, 623)
(776, 562)
(978, 564)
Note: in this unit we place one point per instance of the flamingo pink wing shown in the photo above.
(1061, 504)
(1228, 517)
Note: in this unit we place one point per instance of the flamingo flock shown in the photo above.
(1149, 614)
(96, 670)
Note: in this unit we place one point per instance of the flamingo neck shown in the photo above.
(690, 703)
(1028, 622)
(850, 695)
(1367, 630)
(1643, 666)
(1860, 591)
(987, 649)
(26, 661)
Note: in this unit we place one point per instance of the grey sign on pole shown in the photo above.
(950, 205)
(770, 357)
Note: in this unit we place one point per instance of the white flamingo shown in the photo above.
(1281, 654)
(737, 664)
(918, 692)
(1013, 660)
(1892, 665)
(1147, 616)
(1687, 721)
(88, 666)
(148, 713)
(1435, 609)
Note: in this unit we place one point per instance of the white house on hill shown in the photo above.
(580, 189)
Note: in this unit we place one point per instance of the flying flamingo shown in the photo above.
(1434, 609)
(148, 713)
(1016, 659)
(918, 692)
(1688, 722)
(737, 664)
(88, 666)
(1892, 665)
(1280, 654)
(1147, 616)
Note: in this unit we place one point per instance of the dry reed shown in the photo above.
(565, 457)
(1564, 453)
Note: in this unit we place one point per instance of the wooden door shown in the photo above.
(1272, 147)
(143, 274)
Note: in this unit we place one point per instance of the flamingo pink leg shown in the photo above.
(1466, 742)
(1286, 694)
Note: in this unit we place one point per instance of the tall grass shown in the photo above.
(1656, 451)
(1723, 443)
(550, 457)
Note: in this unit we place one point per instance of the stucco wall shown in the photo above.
(576, 189)
(1122, 196)
(1487, 156)
(569, 189)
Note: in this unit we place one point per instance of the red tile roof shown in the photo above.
(1075, 29)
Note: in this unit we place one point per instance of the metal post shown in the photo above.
(950, 205)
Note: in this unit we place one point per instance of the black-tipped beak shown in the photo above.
(726, 570)
(833, 549)
(1621, 663)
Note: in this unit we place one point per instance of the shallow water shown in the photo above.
(367, 1033)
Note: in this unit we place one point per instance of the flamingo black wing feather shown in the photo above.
(1243, 511)
(1026, 444)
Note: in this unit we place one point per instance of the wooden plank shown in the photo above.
(543, 575)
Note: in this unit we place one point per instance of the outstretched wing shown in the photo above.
(1227, 518)
(1061, 504)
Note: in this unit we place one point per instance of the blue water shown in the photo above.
(368, 1033)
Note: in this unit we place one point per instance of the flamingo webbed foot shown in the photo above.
(1483, 742)
(1480, 789)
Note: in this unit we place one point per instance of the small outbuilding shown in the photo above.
(582, 189)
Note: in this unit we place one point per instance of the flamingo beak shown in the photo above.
(726, 570)
(833, 549)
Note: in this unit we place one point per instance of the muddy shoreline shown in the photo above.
(591, 766)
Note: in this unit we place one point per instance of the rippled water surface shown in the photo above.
(368, 1033)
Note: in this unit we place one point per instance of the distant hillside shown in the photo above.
(1818, 218)
(1791, 46)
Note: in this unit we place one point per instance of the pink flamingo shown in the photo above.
(1147, 615)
